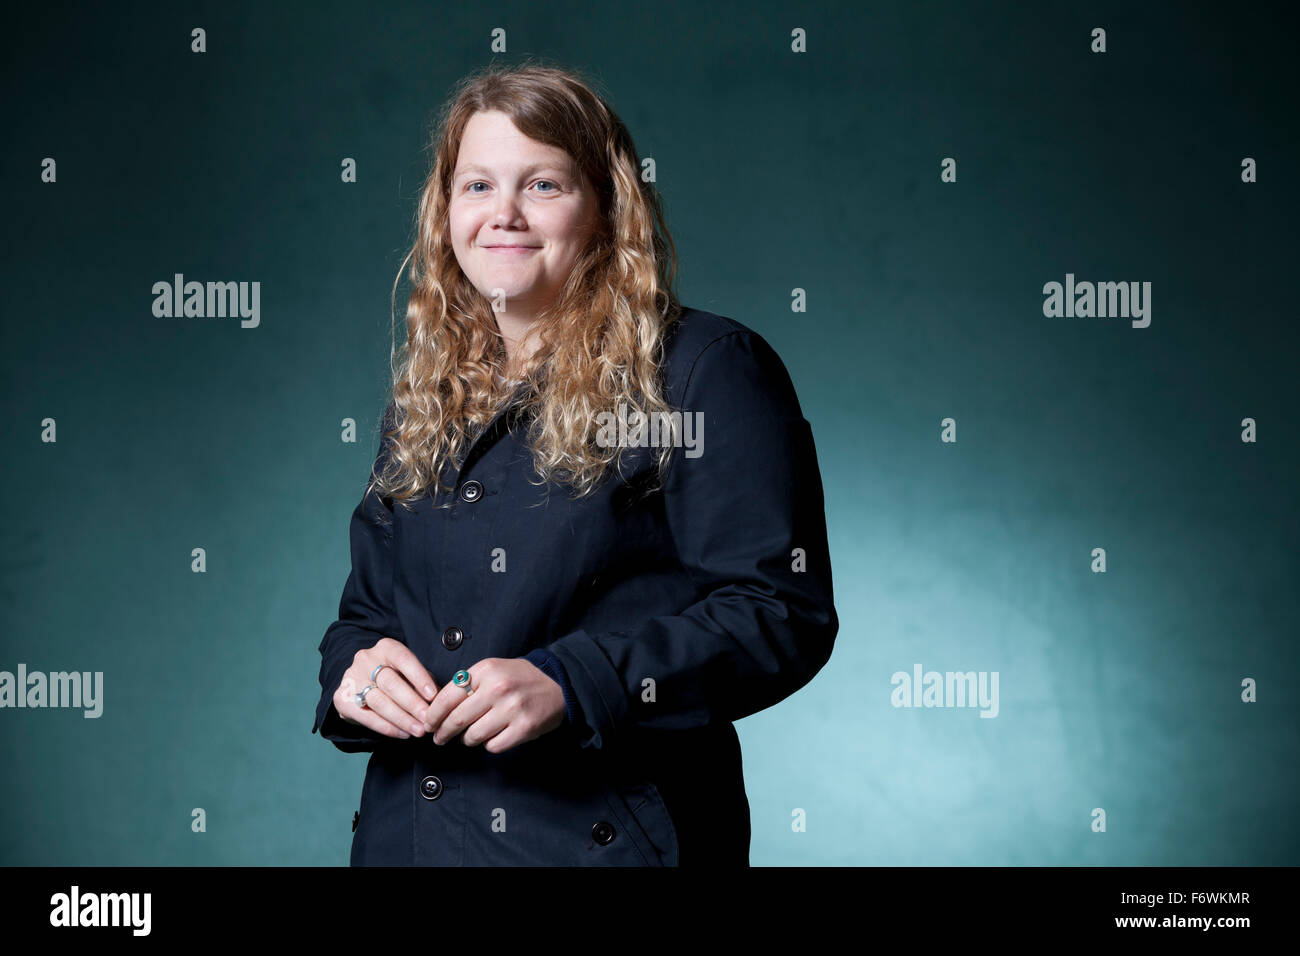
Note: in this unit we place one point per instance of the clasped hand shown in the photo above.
(513, 700)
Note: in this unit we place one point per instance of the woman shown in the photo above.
(594, 534)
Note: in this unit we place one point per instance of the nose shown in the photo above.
(507, 209)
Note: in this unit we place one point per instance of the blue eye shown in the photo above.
(549, 182)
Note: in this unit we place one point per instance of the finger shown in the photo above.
(376, 723)
(503, 741)
(357, 676)
(390, 710)
(461, 712)
(399, 656)
(345, 703)
(444, 702)
(485, 728)
(396, 689)
(448, 698)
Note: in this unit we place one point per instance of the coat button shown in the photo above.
(602, 833)
(431, 788)
(471, 490)
(452, 637)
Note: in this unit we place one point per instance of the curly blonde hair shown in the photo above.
(600, 343)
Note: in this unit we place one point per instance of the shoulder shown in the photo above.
(705, 350)
(695, 330)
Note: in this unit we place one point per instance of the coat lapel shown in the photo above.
(492, 430)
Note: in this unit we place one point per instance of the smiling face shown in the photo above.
(520, 216)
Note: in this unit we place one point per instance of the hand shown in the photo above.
(513, 702)
(398, 704)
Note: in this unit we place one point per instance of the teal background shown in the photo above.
(817, 171)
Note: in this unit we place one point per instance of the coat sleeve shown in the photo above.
(365, 611)
(748, 521)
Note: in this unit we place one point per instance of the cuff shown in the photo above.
(550, 665)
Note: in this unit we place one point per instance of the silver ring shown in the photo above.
(375, 673)
(361, 697)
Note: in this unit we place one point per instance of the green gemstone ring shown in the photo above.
(461, 679)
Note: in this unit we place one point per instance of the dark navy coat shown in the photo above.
(673, 613)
